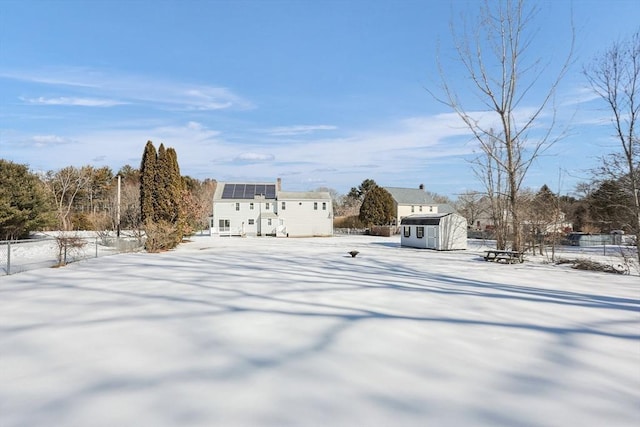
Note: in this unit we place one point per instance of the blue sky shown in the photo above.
(319, 93)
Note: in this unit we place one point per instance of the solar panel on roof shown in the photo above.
(238, 191)
(270, 192)
(249, 191)
(227, 192)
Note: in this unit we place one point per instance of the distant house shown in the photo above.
(415, 201)
(442, 232)
(262, 209)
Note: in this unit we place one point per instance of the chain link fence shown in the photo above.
(22, 255)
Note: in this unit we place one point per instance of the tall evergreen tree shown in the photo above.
(163, 211)
(609, 207)
(24, 205)
(377, 207)
(175, 185)
(148, 167)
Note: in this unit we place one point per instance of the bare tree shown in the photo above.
(470, 205)
(615, 77)
(64, 186)
(494, 56)
(487, 169)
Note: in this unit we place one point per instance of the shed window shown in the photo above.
(266, 206)
(237, 206)
(407, 231)
(251, 222)
(420, 232)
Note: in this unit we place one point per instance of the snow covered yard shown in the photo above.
(295, 332)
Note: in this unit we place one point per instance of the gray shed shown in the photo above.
(442, 232)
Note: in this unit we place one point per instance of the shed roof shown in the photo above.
(410, 196)
(428, 219)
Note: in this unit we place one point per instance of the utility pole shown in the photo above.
(118, 209)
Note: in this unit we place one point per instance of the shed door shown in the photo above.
(432, 237)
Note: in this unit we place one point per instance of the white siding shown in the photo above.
(405, 210)
(302, 220)
(239, 219)
(304, 214)
(449, 234)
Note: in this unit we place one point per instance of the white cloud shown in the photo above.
(577, 96)
(297, 130)
(72, 101)
(68, 76)
(48, 140)
(133, 89)
(254, 157)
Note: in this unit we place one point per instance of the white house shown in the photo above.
(262, 209)
(442, 232)
(414, 201)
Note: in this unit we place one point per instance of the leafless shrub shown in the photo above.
(161, 236)
(68, 246)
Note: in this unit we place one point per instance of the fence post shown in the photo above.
(96, 246)
(8, 258)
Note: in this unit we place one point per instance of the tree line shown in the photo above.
(154, 199)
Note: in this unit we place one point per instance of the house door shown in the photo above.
(432, 237)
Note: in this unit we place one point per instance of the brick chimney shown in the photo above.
(279, 184)
(421, 186)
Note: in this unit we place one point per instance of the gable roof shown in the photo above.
(410, 196)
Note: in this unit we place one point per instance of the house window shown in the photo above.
(251, 222)
(324, 206)
(420, 208)
(251, 206)
(315, 206)
(267, 206)
(407, 231)
(413, 209)
(269, 221)
(237, 206)
(224, 225)
(420, 232)
(430, 208)
(284, 205)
